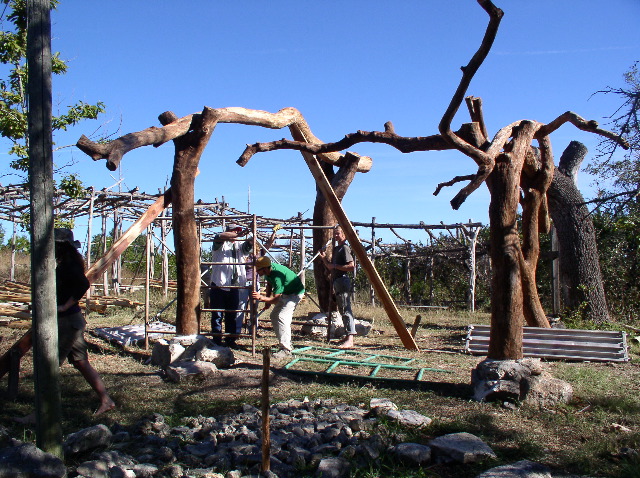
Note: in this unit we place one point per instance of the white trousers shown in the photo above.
(281, 317)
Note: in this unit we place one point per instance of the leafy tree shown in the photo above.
(619, 245)
(13, 99)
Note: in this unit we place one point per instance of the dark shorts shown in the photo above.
(71, 343)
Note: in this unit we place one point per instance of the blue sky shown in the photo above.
(346, 65)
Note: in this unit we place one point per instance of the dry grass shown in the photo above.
(577, 438)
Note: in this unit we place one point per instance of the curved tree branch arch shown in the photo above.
(190, 135)
(515, 172)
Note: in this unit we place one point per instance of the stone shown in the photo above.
(381, 405)
(333, 468)
(121, 472)
(26, 461)
(222, 357)
(164, 353)
(145, 470)
(413, 454)
(93, 469)
(181, 371)
(547, 391)
(409, 418)
(461, 447)
(317, 326)
(87, 439)
(520, 469)
(521, 380)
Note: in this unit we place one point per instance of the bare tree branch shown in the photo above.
(457, 179)
(113, 151)
(590, 126)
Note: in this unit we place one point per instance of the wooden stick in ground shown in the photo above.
(416, 324)
(266, 436)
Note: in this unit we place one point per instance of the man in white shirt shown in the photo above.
(228, 295)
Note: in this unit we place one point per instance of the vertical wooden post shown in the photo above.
(416, 324)
(88, 255)
(303, 252)
(89, 228)
(13, 245)
(165, 255)
(555, 272)
(43, 290)
(152, 253)
(199, 304)
(116, 267)
(266, 434)
(146, 290)
(105, 276)
(372, 293)
(472, 236)
(253, 304)
(290, 262)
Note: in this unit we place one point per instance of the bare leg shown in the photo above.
(93, 378)
(346, 343)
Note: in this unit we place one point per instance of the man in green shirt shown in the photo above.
(285, 290)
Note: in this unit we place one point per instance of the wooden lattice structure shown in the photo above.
(113, 210)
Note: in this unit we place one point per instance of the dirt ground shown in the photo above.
(576, 438)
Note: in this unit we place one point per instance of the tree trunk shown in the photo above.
(322, 216)
(189, 148)
(43, 290)
(506, 285)
(580, 276)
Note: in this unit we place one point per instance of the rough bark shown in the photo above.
(189, 148)
(514, 265)
(580, 276)
(323, 216)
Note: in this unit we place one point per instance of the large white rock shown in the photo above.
(190, 370)
(522, 380)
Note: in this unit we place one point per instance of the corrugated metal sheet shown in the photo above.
(558, 344)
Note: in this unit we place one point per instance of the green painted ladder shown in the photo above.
(338, 359)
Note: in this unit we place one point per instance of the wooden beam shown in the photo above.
(128, 237)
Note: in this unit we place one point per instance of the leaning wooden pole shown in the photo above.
(372, 274)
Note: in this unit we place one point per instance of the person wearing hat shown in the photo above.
(228, 294)
(71, 285)
(284, 290)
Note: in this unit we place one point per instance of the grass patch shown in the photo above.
(575, 438)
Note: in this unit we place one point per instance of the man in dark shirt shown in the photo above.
(341, 264)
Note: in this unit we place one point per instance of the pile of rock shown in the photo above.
(308, 438)
(184, 357)
(316, 325)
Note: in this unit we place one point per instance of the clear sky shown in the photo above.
(346, 65)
